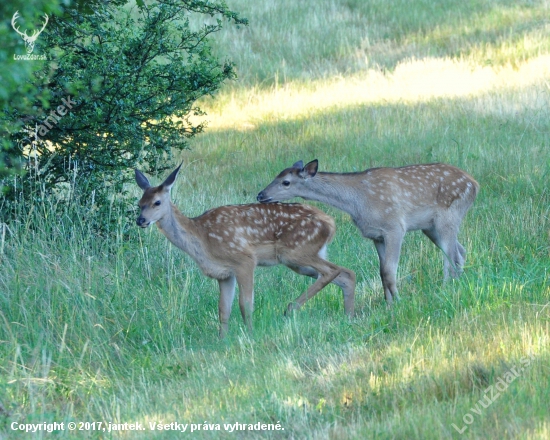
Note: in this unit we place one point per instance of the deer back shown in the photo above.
(406, 197)
(267, 232)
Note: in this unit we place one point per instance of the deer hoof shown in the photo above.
(290, 308)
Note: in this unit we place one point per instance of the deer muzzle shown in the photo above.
(141, 222)
(262, 198)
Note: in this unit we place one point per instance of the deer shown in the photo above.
(228, 242)
(29, 40)
(386, 203)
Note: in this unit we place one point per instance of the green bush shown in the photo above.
(122, 80)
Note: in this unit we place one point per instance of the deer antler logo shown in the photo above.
(29, 40)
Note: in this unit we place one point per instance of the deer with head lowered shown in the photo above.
(385, 203)
(228, 243)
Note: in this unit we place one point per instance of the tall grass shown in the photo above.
(308, 40)
(126, 330)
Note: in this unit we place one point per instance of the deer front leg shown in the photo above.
(227, 293)
(381, 250)
(388, 252)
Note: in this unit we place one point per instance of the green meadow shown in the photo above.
(123, 329)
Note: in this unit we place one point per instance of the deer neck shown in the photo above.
(182, 233)
(333, 189)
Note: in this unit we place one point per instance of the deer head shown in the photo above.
(29, 40)
(155, 202)
(287, 183)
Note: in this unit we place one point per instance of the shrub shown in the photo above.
(122, 80)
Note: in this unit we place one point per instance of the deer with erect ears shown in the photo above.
(385, 203)
(229, 242)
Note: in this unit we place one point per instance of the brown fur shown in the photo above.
(230, 241)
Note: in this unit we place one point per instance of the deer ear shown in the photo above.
(310, 169)
(167, 184)
(298, 165)
(141, 180)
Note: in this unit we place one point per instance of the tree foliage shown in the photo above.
(122, 79)
(20, 93)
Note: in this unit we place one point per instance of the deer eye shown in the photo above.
(157, 203)
(286, 183)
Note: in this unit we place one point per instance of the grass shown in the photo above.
(310, 40)
(126, 331)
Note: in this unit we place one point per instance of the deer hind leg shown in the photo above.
(389, 250)
(444, 236)
(227, 294)
(452, 264)
(461, 253)
(326, 273)
(245, 280)
(345, 280)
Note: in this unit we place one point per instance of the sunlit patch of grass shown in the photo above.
(310, 40)
(412, 82)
